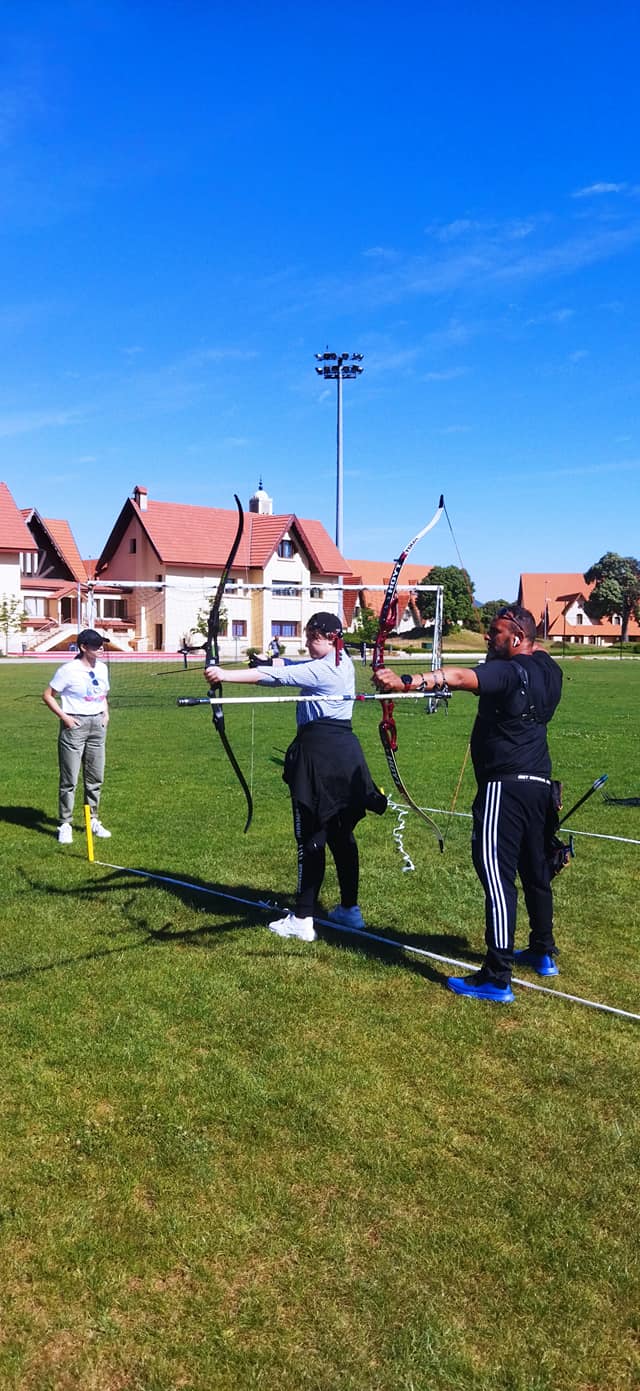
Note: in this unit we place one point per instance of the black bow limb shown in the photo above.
(212, 658)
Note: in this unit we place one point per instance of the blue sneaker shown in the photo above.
(481, 989)
(347, 917)
(541, 962)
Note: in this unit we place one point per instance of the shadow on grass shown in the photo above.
(442, 944)
(32, 818)
(191, 895)
(193, 891)
(255, 912)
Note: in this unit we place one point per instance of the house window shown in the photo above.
(285, 550)
(285, 630)
(29, 562)
(114, 608)
(316, 592)
(238, 628)
(132, 545)
(579, 618)
(286, 591)
(35, 608)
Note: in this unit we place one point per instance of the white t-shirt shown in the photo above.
(82, 691)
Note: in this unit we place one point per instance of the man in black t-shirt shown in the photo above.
(519, 687)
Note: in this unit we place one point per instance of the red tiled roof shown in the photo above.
(558, 592)
(62, 536)
(321, 549)
(538, 590)
(56, 588)
(370, 572)
(14, 532)
(182, 534)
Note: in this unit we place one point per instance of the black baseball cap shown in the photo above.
(90, 638)
(325, 623)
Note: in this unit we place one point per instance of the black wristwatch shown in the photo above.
(407, 680)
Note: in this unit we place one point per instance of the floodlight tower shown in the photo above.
(339, 367)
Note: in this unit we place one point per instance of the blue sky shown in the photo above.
(196, 198)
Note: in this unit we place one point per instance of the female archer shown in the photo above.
(325, 770)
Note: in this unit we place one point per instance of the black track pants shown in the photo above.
(311, 840)
(509, 819)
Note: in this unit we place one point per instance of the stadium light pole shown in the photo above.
(339, 367)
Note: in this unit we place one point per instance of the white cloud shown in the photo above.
(381, 253)
(553, 316)
(447, 375)
(23, 423)
(592, 190)
(390, 360)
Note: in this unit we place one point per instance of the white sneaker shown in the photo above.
(97, 829)
(65, 834)
(290, 926)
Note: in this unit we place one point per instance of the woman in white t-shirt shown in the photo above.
(82, 686)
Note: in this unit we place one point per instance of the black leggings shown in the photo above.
(311, 841)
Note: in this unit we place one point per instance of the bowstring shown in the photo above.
(467, 751)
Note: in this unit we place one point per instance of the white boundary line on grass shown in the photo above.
(592, 835)
(265, 907)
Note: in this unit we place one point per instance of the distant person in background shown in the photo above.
(519, 687)
(325, 770)
(82, 686)
(273, 649)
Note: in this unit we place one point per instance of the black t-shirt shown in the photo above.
(517, 699)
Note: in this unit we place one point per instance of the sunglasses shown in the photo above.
(508, 614)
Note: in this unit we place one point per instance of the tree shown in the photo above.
(617, 589)
(367, 629)
(201, 624)
(457, 597)
(488, 611)
(12, 617)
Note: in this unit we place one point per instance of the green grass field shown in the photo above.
(234, 1162)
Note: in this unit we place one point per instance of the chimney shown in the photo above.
(141, 496)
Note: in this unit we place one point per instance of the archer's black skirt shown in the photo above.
(326, 772)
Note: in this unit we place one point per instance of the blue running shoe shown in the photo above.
(347, 917)
(481, 989)
(541, 962)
